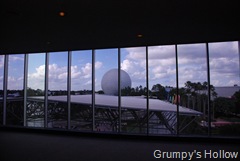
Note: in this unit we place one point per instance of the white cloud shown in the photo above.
(191, 73)
(224, 65)
(15, 83)
(223, 49)
(40, 73)
(192, 63)
(16, 58)
(98, 65)
(161, 72)
(161, 64)
(129, 65)
(75, 72)
(135, 69)
(57, 73)
(161, 52)
(192, 51)
(81, 77)
(87, 70)
(136, 53)
(88, 82)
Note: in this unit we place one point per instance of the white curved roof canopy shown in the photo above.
(127, 102)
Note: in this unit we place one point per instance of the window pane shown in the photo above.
(133, 90)
(162, 84)
(35, 90)
(57, 93)
(192, 72)
(1, 87)
(15, 90)
(106, 89)
(81, 90)
(224, 70)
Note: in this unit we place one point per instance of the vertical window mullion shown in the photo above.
(147, 85)
(69, 88)
(46, 90)
(93, 90)
(25, 89)
(5, 84)
(209, 90)
(119, 91)
(177, 86)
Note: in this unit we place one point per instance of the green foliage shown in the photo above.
(224, 106)
(159, 91)
(100, 92)
(138, 91)
(236, 98)
(33, 92)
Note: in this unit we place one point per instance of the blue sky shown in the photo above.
(15, 70)
(81, 70)
(36, 70)
(224, 65)
(108, 59)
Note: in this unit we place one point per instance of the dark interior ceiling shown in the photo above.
(35, 26)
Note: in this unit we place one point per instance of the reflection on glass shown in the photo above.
(35, 90)
(162, 84)
(106, 89)
(15, 90)
(81, 90)
(133, 96)
(1, 87)
(57, 90)
(192, 73)
(225, 100)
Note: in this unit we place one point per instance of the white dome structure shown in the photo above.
(110, 81)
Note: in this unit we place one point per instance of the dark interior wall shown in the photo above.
(28, 26)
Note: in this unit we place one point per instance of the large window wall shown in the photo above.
(187, 89)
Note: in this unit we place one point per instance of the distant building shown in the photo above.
(227, 92)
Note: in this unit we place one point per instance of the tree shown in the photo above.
(236, 98)
(224, 106)
(31, 92)
(159, 91)
(126, 91)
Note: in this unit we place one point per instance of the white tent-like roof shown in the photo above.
(127, 102)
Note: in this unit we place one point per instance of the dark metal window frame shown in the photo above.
(5, 84)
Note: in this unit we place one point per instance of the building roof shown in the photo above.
(127, 102)
(226, 91)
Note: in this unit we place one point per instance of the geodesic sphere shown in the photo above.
(110, 81)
